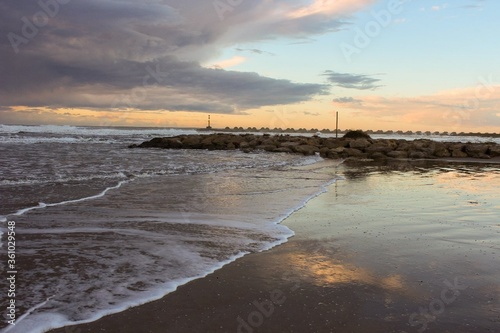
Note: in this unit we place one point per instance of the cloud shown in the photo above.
(352, 81)
(474, 4)
(457, 109)
(347, 100)
(315, 114)
(228, 63)
(146, 55)
(254, 51)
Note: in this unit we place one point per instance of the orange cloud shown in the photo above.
(227, 63)
(467, 109)
(328, 7)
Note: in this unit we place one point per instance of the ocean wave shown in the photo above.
(56, 180)
(71, 131)
(42, 205)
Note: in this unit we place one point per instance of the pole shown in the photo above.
(337, 126)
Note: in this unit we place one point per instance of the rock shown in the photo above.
(207, 143)
(403, 145)
(172, 143)
(338, 150)
(457, 150)
(441, 150)
(269, 142)
(356, 135)
(220, 141)
(417, 154)
(253, 143)
(153, 143)
(334, 143)
(313, 142)
(306, 150)
(378, 156)
(379, 147)
(289, 144)
(398, 154)
(476, 150)
(352, 152)
(458, 153)
(359, 143)
(494, 151)
(283, 150)
(191, 142)
(323, 152)
(270, 148)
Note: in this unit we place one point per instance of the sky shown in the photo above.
(389, 65)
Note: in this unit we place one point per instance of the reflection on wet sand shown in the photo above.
(326, 272)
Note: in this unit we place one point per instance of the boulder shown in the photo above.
(398, 154)
(352, 152)
(415, 154)
(356, 135)
(378, 156)
(379, 147)
(494, 150)
(173, 143)
(306, 149)
(335, 143)
(476, 150)
(289, 144)
(270, 148)
(207, 143)
(457, 150)
(332, 154)
(191, 142)
(441, 150)
(323, 152)
(458, 153)
(359, 143)
(283, 150)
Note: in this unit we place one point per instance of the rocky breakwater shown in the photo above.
(359, 147)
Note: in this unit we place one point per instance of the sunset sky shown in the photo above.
(396, 64)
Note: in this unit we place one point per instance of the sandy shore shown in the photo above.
(386, 249)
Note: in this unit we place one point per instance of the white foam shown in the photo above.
(72, 131)
(42, 205)
(81, 179)
(39, 323)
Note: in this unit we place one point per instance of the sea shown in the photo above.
(92, 227)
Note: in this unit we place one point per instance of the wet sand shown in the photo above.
(394, 248)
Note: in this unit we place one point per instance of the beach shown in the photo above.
(393, 247)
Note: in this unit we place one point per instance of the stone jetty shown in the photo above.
(350, 146)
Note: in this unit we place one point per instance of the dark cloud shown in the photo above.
(352, 81)
(99, 53)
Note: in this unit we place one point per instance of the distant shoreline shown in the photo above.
(342, 132)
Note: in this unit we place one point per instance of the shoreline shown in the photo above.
(328, 278)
